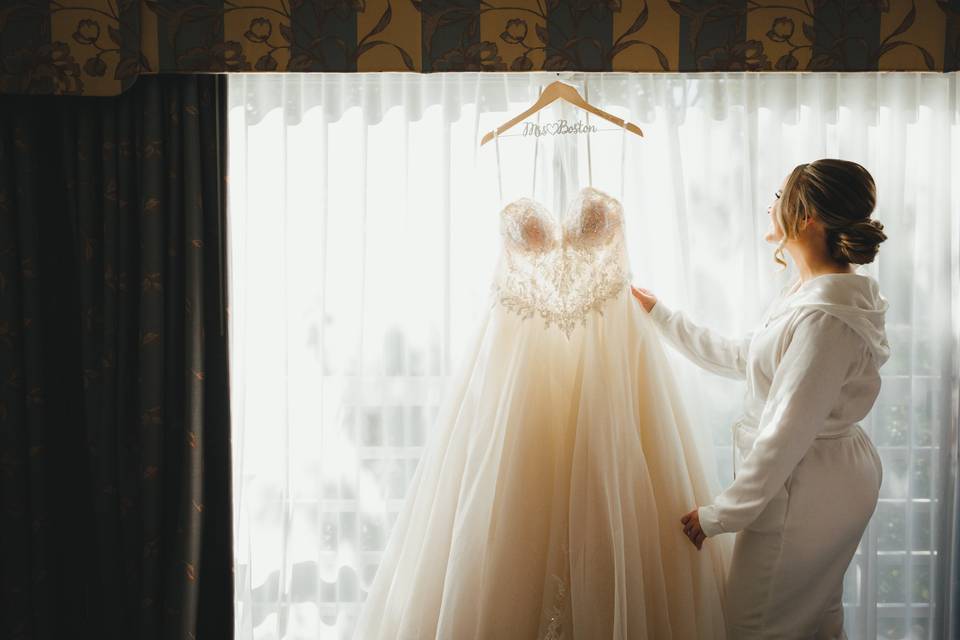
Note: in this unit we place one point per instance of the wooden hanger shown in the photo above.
(561, 90)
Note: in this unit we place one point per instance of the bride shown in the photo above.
(547, 503)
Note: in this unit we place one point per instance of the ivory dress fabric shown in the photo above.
(807, 476)
(547, 503)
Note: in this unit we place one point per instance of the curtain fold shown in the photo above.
(116, 442)
(363, 232)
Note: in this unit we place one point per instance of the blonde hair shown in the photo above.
(840, 194)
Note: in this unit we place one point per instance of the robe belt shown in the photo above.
(745, 434)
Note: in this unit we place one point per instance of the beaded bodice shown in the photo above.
(561, 271)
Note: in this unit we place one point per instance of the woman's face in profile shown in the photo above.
(774, 233)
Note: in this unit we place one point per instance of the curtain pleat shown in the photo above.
(117, 485)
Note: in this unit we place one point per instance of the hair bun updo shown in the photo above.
(857, 242)
(841, 194)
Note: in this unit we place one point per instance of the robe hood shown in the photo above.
(854, 298)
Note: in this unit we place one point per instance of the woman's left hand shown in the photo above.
(691, 527)
(647, 299)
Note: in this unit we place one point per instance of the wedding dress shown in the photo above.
(547, 502)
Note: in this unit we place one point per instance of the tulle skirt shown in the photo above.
(547, 503)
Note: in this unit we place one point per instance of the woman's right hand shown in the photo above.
(647, 299)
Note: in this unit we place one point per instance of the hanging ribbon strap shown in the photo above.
(623, 162)
(496, 144)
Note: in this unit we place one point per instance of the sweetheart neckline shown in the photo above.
(552, 215)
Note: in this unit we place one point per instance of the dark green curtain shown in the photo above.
(115, 470)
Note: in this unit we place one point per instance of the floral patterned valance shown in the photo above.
(99, 47)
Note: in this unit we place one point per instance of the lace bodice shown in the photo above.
(561, 271)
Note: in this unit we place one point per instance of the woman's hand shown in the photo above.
(647, 299)
(691, 527)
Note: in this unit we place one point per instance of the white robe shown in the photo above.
(807, 477)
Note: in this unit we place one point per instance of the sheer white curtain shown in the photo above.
(363, 231)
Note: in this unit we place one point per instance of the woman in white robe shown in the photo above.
(807, 476)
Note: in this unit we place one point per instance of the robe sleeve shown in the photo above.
(804, 391)
(702, 346)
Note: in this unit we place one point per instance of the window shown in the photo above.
(363, 232)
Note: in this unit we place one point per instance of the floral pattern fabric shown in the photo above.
(114, 412)
(100, 47)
